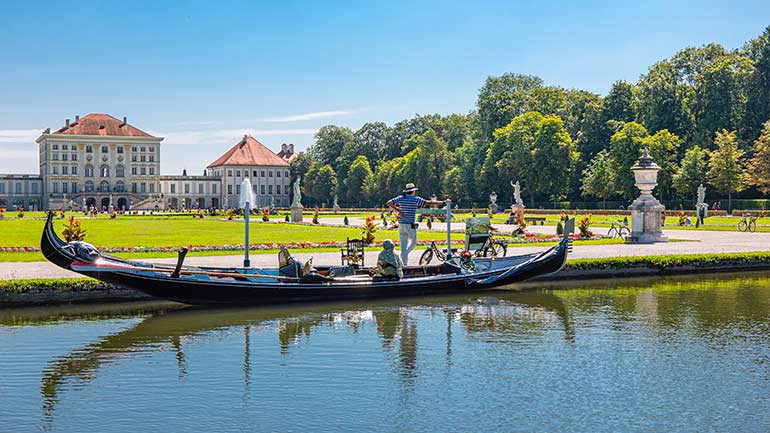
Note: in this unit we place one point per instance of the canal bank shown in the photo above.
(31, 292)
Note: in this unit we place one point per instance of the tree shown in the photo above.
(619, 103)
(554, 159)
(503, 98)
(357, 175)
(329, 142)
(758, 93)
(428, 163)
(662, 100)
(692, 171)
(599, 178)
(758, 170)
(321, 183)
(664, 146)
(372, 137)
(726, 165)
(625, 149)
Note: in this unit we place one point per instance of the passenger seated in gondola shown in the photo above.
(288, 266)
(389, 265)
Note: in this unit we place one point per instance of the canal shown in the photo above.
(677, 354)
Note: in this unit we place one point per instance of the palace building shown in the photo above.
(101, 161)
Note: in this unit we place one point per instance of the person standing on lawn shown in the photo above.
(406, 205)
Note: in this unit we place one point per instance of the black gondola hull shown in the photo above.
(201, 288)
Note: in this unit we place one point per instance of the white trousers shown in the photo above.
(408, 237)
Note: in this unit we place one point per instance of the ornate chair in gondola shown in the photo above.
(353, 253)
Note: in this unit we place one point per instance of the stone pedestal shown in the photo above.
(296, 214)
(516, 208)
(646, 217)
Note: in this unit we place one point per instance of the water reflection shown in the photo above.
(667, 328)
(169, 329)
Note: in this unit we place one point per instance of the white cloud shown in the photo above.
(306, 116)
(225, 136)
(19, 135)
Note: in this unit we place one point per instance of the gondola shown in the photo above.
(252, 286)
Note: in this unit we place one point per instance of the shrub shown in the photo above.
(315, 217)
(559, 228)
(265, 215)
(286, 218)
(369, 229)
(73, 231)
(345, 221)
(21, 212)
(584, 224)
(682, 218)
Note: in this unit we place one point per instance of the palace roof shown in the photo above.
(101, 124)
(249, 152)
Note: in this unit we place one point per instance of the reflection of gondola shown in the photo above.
(261, 286)
(171, 328)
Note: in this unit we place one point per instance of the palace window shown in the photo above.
(237, 173)
(55, 188)
(278, 189)
(65, 170)
(133, 149)
(144, 187)
(63, 147)
(152, 171)
(152, 149)
(213, 188)
(142, 158)
(255, 173)
(104, 149)
(286, 173)
(237, 189)
(133, 171)
(262, 173)
(187, 188)
(119, 171)
(270, 173)
(2, 187)
(143, 171)
(55, 156)
(64, 187)
(89, 149)
(18, 187)
(104, 171)
(104, 186)
(74, 169)
(262, 189)
(64, 156)
(133, 187)
(152, 158)
(120, 186)
(74, 187)
(55, 147)
(173, 188)
(74, 157)
(89, 186)
(200, 188)
(55, 169)
(120, 149)
(278, 173)
(229, 173)
(270, 189)
(133, 158)
(229, 189)
(33, 185)
(152, 187)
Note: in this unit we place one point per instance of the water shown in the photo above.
(649, 355)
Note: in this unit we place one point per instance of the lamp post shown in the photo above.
(493, 201)
(646, 210)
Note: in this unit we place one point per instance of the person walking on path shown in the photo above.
(406, 205)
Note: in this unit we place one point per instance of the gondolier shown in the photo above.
(406, 205)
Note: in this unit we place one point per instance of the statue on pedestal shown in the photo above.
(701, 208)
(296, 204)
(518, 203)
(336, 206)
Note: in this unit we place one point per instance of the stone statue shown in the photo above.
(297, 202)
(517, 201)
(701, 207)
(335, 206)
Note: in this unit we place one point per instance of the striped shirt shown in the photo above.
(408, 205)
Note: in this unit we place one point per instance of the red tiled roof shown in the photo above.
(101, 124)
(249, 151)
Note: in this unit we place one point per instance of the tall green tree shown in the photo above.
(428, 163)
(372, 140)
(354, 183)
(555, 157)
(625, 150)
(599, 178)
(663, 101)
(329, 142)
(758, 170)
(692, 172)
(321, 183)
(726, 165)
(619, 103)
(664, 146)
(758, 93)
(503, 98)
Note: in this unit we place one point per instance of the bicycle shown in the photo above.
(490, 248)
(748, 223)
(618, 230)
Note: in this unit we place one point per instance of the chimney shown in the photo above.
(77, 118)
(67, 123)
(47, 131)
(291, 147)
(125, 121)
(284, 147)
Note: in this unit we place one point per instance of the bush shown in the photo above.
(584, 224)
(345, 221)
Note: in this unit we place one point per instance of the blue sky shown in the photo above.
(204, 73)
